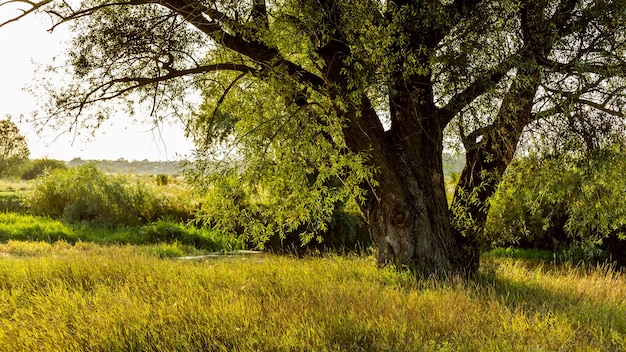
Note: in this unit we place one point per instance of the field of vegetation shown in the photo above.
(122, 298)
(77, 275)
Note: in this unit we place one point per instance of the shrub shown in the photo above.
(86, 194)
(554, 202)
(40, 167)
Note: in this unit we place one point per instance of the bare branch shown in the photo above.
(602, 107)
(84, 13)
(105, 91)
(34, 6)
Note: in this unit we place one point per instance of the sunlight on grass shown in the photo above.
(25, 227)
(179, 238)
(90, 297)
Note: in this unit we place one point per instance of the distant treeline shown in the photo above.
(124, 166)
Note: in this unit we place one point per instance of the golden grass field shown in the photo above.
(88, 297)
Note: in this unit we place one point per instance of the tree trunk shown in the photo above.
(407, 212)
(487, 156)
(410, 224)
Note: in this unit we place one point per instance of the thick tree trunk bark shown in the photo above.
(407, 212)
(410, 224)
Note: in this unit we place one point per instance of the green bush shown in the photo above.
(40, 167)
(86, 194)
(555, 202)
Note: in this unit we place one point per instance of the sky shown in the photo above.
(26, 44)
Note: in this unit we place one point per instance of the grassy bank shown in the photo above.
(103, 298)
(21, 227)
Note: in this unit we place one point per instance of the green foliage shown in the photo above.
(86, 194)
(13, 149)
(346, 231)
(554, 201)
(19, 227)
(271, 169)
(263, 219)
(40, 167)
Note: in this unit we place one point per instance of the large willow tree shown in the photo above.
(366, 91)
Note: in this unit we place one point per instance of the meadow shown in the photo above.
(79, 287)
(89, 297)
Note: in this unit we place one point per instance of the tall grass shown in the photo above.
(89, 297)
(15, 226)
(12, 193)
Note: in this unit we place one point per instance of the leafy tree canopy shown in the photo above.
(366, 91)
(13, 149)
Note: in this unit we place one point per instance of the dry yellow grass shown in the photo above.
(86, 297)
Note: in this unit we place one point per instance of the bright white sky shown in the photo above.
(26, 44)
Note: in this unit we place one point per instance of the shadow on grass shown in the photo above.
(10, 202)
(581, 296)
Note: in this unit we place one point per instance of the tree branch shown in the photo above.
(577, 67)
(83, 13)
(34, 7)
(106, 92)
(601, 107)
(219, 102)
(258, 15)
(194, 12)
(481, 85)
